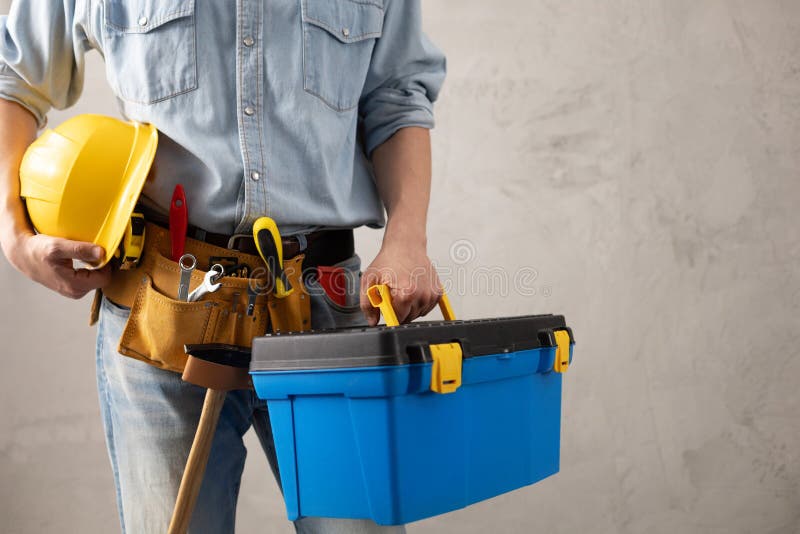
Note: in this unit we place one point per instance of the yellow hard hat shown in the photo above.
(82, 179)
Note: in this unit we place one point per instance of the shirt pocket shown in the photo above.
(150, 48)
(338, 38)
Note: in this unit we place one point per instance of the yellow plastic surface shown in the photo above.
(132, 244)
(266, 223)
(82, 179)
(380, 297)
(446, 371)
(562, 351)
(447, 310)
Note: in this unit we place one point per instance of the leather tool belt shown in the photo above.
(159, 325)
(322, 247)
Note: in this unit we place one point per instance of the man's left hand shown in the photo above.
(412, 280)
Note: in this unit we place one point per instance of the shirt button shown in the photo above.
(249, 110)
(346, 32)
(255, 176)
(142, 21)
(248, 41)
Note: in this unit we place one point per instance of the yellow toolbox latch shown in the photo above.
(562, 351)
(446, 371)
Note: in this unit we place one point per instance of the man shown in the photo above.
(309, 111)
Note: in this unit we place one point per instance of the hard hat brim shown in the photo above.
(141, 158)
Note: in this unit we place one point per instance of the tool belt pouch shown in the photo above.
(159, 325)
(293, 312)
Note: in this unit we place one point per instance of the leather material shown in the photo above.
(159, 325)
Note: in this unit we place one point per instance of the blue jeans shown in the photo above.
(150, 417)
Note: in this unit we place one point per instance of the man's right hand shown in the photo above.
(48, 260)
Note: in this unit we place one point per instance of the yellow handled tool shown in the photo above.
(130, 248)
(270, 247)
(380, 297)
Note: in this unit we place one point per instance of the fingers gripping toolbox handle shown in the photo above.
(380, 297)
(447, 357)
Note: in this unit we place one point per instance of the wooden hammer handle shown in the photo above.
(196, 464)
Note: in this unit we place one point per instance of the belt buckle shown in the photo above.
(234, 237)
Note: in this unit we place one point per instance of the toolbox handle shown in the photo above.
(380, 297)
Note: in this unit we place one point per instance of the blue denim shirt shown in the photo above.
(265, 107)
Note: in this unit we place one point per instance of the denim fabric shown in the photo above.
(264, 107)
(326, 312)
(150, 417)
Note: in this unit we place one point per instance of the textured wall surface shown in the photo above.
(641, 158)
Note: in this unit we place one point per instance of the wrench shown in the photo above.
(208, 285)
(188, 264)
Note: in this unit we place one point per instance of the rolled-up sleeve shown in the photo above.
(42, 45)
(404, 79)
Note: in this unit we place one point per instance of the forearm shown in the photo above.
(17, 131)
(403, 176)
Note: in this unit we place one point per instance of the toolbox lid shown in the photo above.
(402, 345)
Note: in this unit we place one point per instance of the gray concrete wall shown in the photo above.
(640, 155)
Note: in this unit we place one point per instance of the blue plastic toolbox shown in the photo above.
(401, 423)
